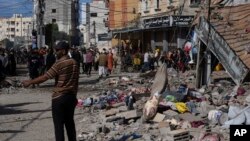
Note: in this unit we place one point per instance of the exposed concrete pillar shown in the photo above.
(153, 40)
(198, 67)
(165, 42)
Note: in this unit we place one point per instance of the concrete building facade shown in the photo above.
(98, 26)
(16, 26)
(122, 13)
(162, 24)
(59, 12)
(93, 26)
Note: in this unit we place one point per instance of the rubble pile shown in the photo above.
(180, 112)
(9, 85)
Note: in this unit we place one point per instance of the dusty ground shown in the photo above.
(25, 114)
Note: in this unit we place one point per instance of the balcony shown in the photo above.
(157, 9)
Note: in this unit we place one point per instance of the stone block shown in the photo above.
(178, 135)
(163, 124)
(116, 105)
(111, 112)
(159, 117)
(170, 114)
(123, 109)
(189, 117)
(130, 114)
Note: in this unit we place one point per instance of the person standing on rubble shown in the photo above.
(66, 70)
(102, 63)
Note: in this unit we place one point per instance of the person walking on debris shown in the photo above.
(110, 61)
(64, 97)
(89, 62)
(102, 63)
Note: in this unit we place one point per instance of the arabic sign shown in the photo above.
(157, 22)
(104, 37)
(182, 20)
(168, 21)
(234, 66)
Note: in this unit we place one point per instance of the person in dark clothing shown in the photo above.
(64, 99)
(50, 59)
(77, 56)
(12, 62)
(34, 64)
(2, 75)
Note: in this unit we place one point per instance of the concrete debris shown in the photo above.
(130, 110)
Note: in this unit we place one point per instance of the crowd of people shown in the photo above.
(104, 61)
(179, 59)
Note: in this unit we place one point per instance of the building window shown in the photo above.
(146, 5)
(12, 23)
(157, 4)
(195, 3)
(53, 20)
(23, 22)
(146, 10)
(12, 29)
(93, 14)
(17, 30)
(53, 10)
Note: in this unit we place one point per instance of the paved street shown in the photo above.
(25, 114)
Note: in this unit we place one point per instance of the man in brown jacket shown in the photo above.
(66, 72)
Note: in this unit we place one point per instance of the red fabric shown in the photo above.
(240, 91)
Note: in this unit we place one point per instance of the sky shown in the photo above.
(24, 7)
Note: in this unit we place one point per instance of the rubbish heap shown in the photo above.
(166, 107)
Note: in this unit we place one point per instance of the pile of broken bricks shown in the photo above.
(217, 106)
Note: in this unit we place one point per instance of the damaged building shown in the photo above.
(223, 37)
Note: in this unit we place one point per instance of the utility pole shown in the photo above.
(74, 23)
(94, 32)
(40, 23)
(87, 24)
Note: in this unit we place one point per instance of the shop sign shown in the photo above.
(104, 37)
(230, 61)
(168, 21)
(182, 20)
(157, 22)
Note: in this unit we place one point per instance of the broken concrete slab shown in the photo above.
(170, 114)
(163, 124)
(181, 134)
(159, 117)
(189, 117)
(113, 118)
(111, 112)
(116, 105)
(130, 114)
(123, 109)
(164, 131)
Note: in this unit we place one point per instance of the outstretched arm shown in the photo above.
(38, 80)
